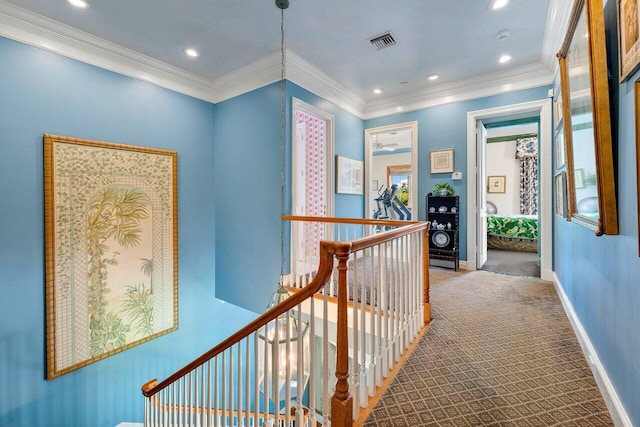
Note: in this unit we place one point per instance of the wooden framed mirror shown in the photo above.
(585, 95)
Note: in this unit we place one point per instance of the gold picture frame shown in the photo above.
(111, 249)
(441, 161)
(587, 124)
(497, 184)
(628, 37)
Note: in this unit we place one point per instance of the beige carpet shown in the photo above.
(499, 352)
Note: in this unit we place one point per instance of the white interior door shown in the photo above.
(481, 211)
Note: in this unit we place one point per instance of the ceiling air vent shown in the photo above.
(383, 40)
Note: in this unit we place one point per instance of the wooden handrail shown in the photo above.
(327, 251)
(337, 220)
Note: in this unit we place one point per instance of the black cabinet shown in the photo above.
(443, 212)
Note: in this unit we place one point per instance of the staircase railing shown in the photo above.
(320, 355)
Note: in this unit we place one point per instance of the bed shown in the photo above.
(513, 232)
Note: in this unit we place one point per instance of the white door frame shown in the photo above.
(543, 108)
(368, 156)
(481, 218)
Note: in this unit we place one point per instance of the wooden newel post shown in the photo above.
(425, 275)
(342, 401)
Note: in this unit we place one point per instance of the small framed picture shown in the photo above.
(497, 184)
(560, 149)
(579, 179)
(561, 194)
(349, 176)
(557, 111)
(442, 160)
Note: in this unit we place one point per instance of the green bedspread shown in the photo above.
(513, 226)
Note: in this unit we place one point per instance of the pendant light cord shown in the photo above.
(282, 145)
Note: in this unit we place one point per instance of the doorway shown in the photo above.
(390, 159)
(312, 177)
(512, 207)
(478, 180)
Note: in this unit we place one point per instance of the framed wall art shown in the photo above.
(628, 37)
(561, 194)
(441, 160)
(557, 111)
(497, 184)
(111, 240)
(561, 159)
(579, 179)
(349, 175)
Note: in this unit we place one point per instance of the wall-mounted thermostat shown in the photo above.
(456, 175)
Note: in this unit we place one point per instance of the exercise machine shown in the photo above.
(389, 205)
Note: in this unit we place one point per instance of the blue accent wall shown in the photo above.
(229, 222)
(445, 126)
(247, 186)
(600, 275)
(41, 92)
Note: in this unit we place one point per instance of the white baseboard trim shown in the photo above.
(616, 409)
(130, 425)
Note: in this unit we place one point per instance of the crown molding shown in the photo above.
(557, 21)
(27, 27)
(309, 77)
(267, 70)
(36, 30)
(257, 74)
(526, 77)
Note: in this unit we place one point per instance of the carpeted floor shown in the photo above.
(512, 262)
(499, 352)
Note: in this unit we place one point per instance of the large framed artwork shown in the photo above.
(111, 240)
(628, 37)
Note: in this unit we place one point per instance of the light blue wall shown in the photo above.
(41, 92)
(247, 186)
(445, 126)
(229, 208)
(600, 275)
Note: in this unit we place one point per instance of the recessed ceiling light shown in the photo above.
(433, 76)
(79, 3)
(191, 52)
(377, 91)
(504, 58)
(498, 4)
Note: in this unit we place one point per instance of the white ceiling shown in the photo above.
(327, 42)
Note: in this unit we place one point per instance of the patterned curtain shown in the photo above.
(527, 153)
